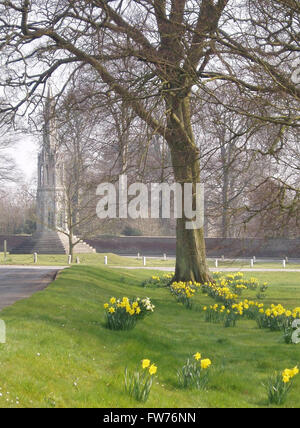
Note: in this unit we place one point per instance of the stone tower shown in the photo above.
(50, 192)
(51, 232)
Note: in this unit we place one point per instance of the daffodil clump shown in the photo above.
(219, 313)
(123, 314)
(277, 318)
(225, 289)
(279, 385)
(237, 282)
(184, 292)
(229, 312)
(139, 383)
(195, 372)
(220, 292)
(262, 290)
(158, 281)
(228, 288)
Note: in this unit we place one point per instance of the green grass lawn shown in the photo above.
(93, 259)
(59, 354)
(115, 260)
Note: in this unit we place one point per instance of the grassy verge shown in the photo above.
(85, 259)
(59, 354)
(115, 260)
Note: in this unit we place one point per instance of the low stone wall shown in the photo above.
(12, 241)
(216, 247)
(131, 245)
(157, 246)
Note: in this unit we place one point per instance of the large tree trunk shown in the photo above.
(191, 262)
(190, 254)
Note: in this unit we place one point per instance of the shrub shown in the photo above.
(131, 231)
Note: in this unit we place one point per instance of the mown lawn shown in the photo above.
(59, 354)
(97, 259)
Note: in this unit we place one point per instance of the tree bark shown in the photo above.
(190, 254)
(71, 246)
(191, 262)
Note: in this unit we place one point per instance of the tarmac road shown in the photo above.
(20, 282)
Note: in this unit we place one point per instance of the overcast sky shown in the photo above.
(25, 153)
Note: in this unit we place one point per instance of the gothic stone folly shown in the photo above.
(51, 233)
(50, 192)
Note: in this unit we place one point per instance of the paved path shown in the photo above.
(20, 282)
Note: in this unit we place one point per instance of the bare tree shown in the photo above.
(17, 210)
(174, 46)
(78, 149)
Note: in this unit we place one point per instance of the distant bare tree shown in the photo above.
(174, 46)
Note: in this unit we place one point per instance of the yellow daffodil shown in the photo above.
(152, 369)
(285, 379)
(205, 363)
(145, 363)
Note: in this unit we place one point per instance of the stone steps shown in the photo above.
(80, 248)
(51, 242)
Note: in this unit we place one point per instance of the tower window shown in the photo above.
(42, 175)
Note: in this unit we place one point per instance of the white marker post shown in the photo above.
(2, 332)
(105, 260)
(217, 263)
(165, 257)
(251, 263)
(5, 250)
(284, 264)
(144, 261)
(35, 258)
